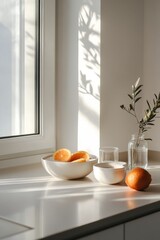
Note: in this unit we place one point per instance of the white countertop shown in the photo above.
(48, 206)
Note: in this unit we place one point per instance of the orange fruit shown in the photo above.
(62, 154)
(138, 179)
(79, 154)
(80, 160)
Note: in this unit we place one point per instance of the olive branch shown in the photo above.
(145, 123)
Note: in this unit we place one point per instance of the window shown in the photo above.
(19, 78)
(27, 81)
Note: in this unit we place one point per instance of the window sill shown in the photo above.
(20, 162)
(32, 170)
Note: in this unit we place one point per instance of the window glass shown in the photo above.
(19, 61)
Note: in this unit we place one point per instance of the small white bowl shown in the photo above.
(109, 172)
(68, 170)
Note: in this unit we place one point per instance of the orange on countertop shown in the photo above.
(138, 179)
(62, 154)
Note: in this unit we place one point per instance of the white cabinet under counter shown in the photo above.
(146, 227)
(108, 234)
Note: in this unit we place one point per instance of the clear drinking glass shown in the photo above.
(108, 154)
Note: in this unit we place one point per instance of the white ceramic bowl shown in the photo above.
(68, 170)
(109, 172)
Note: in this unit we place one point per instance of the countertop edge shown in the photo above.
(105, 223)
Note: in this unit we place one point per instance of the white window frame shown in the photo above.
(26, 149)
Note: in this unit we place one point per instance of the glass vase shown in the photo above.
(137, 152)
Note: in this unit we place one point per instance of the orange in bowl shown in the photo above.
(79, 155)
(62, 154)
(79, 160)
(138, 179)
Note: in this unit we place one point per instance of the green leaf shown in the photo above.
(152, 116)
(130, 96)
(138, 88)
(148, 105)
(155, 96)
(136, 93)
(137, 99)
(131, 107)
(150, 113)
(154, 102)
(145, 130)
(122, 106)
(136, 83)
(151, 124)
(133, 88)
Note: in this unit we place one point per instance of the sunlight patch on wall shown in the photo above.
(89, 76)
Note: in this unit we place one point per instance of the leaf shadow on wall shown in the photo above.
(89, 40)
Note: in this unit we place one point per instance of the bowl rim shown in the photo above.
(93, 158)
(119, 165)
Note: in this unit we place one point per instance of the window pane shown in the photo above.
(18, 67)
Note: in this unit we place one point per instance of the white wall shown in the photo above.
(121, 65)
(126, 54)
(130, 49)
(151, 69)
(67, 73)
